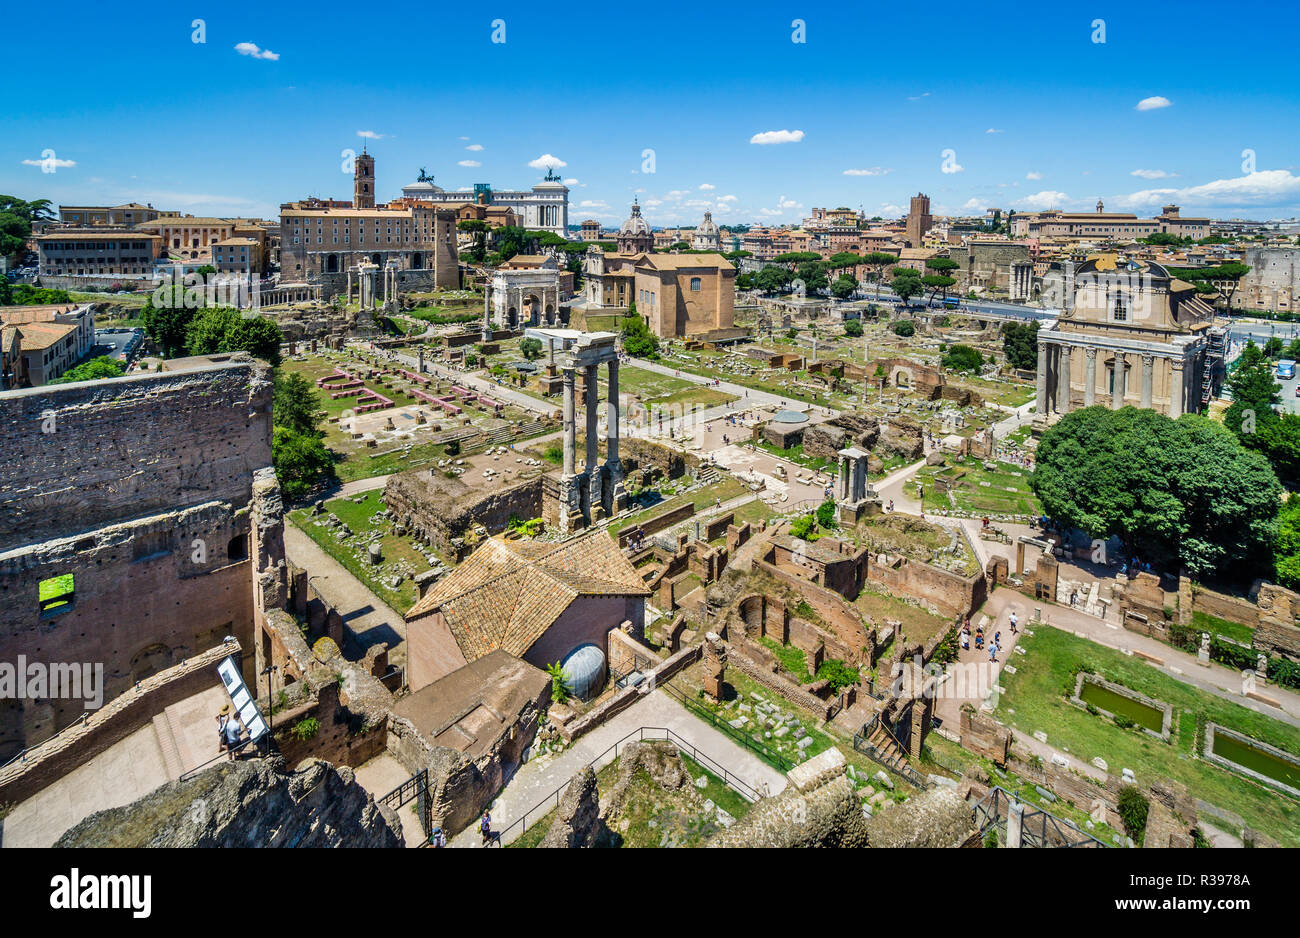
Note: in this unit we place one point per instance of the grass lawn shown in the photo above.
(725, 488)
(1034, 700)
(795, 455)
(919, 624)
(351, 551)
(1237, 631)
(1003, 491)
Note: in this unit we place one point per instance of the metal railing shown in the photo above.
(894, 763)
(552, 801)
(771, 757)
(1038, 827)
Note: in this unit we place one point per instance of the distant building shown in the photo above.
(919, 220)
(40, 343)
(634, 235)
(544, 207)
(108, 253)
(707, 236)
(591, 230)
(1109, 226)
(115, 216)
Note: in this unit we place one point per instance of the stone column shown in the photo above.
(487, 312)
(1063, 379)
(1148, 376)
(844, 478)
(612, 416)
(570, 430)
(593, 440)
(1090, 377)
(1177, 388)
(1121, 368)
(1041, 378)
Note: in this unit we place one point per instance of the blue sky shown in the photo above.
(1035, 113)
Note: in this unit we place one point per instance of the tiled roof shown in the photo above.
(509, 592)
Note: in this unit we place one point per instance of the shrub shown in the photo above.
(838, 673)
(803, 527)
(1123, 722)
(305, 729)
(559, 686)
(826, 513)
(904, 328)
(1133, 809)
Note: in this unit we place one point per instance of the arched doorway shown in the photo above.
(332, 264)
(417, 260)
(512, 318)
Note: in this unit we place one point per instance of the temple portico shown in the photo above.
(852, 493)
(597, 491)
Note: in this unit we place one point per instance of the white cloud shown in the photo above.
(464, 138)
(777, 136)
(918, 97)
(950, 167)
(873, 171)
(475, 147)
(593, 203)
(571, 182)
(250, 48)
(973, 205)
(1153, 103)
(675, 195)
(1034, 175)
(1048, 198)
(1266, 189)
(726, 198)
(468, 163)
(707, 186)
(1152, 174)
(653, 203)
(370, 135)
(546, 161)
(993, 130)
(888, 208)
(52, 163)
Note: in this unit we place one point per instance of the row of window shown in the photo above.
(90, 246)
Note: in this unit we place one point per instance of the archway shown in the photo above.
(417, 260)
(149, 661)
(512, 318)
(332, 264)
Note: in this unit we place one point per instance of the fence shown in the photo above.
(862, 743)
(552, 801)
(1038, 828)
(774, 759)
(416, 787)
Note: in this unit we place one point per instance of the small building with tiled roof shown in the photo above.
(536, 600)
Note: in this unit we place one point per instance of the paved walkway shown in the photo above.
(365, 615)
(540, 777)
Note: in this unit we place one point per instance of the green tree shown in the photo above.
(1286, 555)
(906, 284)
(903, 328)
(638, 340)
(1273, 347)
(219, 329)
(773, 279)
(295, 404)
(1020, 344)
(93, 369)
(827, 512)
(167, 314)
(530, 348)
(560, 691)
(853, 328)
(301, 461)
(843, 287)
(1182, 492)
(963, 358)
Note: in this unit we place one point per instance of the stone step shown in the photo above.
(162, 727)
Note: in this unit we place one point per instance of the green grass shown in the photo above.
(722, 794)
(969, 495)
(1036, 694)
(536, 832)
(725, 489)
(792, 659)
(1237, 631)
(395, 549)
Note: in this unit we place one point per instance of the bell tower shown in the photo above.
(363, 181)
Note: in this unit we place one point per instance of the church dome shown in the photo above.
(707, 226)
(635, 225)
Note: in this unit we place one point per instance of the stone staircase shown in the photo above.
(708, 475)
(508, 433)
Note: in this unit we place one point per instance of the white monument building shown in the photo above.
(544, 207)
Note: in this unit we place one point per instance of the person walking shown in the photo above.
(1013, 623)
(222, 718)
(485, 828)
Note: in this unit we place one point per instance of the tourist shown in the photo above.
(485, 828)
(1013, 623)
(222, 719)
(993, 654)
(438, 838)
(965, 640)
(234, 735)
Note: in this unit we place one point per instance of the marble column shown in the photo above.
(1177, 388)
(1121, 368)
(1090, 377)
(1041, 378)
(844, 478)
(1148, 378)
(570, 429)
(1063, 380)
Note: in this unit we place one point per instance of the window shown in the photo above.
(1121, 308)
(696, 285)
(56, 593)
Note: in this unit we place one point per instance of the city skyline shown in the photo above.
(953, 117)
